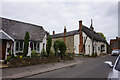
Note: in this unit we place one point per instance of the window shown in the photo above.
(17, 45)
(98, 48)
(43, 45)
(31, 45)
(38, 46)
(21, 45)
(35, 45)
(102, 48)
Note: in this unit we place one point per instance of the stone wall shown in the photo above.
(69, 43)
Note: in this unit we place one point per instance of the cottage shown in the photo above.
(12, 35)
(82, 41)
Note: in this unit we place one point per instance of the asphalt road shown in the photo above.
(95, 68)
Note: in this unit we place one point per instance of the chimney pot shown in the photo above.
(53, 32)
(117, 37)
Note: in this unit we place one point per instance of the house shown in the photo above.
(82, 41)
(12, 35)
(115, 43)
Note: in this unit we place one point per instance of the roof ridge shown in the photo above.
(22, 22)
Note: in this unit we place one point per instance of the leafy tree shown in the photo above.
(56, 46)
(62, 48)
(59, 46)
(101, 34)
(26, 44)
(49, 42)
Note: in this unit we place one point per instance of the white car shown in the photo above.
(115, 52)
(115, 74)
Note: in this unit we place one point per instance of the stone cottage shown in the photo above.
(12, 35)
(82, 41)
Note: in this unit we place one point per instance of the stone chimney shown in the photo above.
(80, 37)
(65, 33)
(53, 32)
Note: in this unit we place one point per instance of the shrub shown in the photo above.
(9, 52)
(59, 46)
(26, 44)
(49, 42)
(43, 53)
(12, 56)
(94, 55)
(62, 48)
(7, 60)
(52, 53)
(34, 53)
(56, 46)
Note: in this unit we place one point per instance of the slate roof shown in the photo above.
(17, 29)
(3, 36)
(91, 34)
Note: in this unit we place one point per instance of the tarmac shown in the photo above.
(25, 71)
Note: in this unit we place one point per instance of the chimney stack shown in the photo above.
(117, 37)
(64, 33)
(91, 26)
(53, 32)
(80, 37)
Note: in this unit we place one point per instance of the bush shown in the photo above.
(59, 46)
(62, 48)
(12, 56)
(52, 53)
(56, 47)
(43, 53)
(9, 52)
(34, 53)
(7, 60)
(94, 55)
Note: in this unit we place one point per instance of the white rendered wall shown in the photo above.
(76, 44)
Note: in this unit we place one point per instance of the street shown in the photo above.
(95, 68)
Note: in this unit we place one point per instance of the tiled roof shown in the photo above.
(86, 30)
(17, 30)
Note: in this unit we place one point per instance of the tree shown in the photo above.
(62, 48)
(101, 34)
(26, 44)
(59, 46)
(56, 46)
(49, 42)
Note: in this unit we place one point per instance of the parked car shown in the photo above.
(115, 52)
(115, 74)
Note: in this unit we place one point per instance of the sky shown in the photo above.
(54, 15)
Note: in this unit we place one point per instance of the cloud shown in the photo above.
(56, 15)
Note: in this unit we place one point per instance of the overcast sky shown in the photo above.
(56, 15)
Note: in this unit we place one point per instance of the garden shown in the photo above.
(46, 56)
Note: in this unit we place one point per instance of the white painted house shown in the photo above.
(12, 35)
(84, 40)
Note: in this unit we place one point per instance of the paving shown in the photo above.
(19, 72)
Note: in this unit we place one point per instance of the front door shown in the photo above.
(3, 49)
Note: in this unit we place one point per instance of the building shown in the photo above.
(115, 43)
(82, 41)
(12, 35)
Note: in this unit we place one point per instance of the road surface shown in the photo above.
(95, 68)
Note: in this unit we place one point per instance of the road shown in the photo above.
(95, 68)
